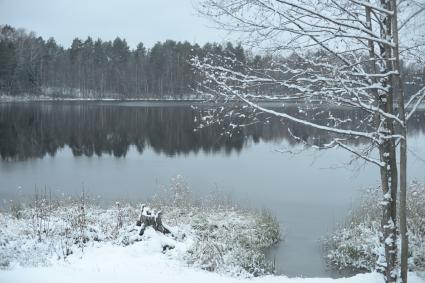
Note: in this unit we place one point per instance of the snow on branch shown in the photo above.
(317, 81)
(419, 97)
(356, 152)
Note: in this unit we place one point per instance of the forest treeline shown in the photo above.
(95, 68)
(31, 65)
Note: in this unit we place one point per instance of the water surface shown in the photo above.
(128, 151)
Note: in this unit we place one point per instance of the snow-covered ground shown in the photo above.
(145, 262)
(67, 235)
(75, 241)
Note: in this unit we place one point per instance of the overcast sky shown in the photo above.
(148, 21)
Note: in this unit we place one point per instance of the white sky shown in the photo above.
(147, 21)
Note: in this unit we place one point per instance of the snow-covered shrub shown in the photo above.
(416, 226)
(16, 209)
(233, 242)
(356, 245)
(53, 229)
(226, 239)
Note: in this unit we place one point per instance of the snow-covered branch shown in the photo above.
(419, 97)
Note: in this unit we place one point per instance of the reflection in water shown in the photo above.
(36, 129)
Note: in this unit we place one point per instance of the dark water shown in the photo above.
(129, 150)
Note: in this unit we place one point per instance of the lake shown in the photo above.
(131, 150)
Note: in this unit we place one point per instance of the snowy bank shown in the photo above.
(205, 234)
(75, 241)
(145, 262)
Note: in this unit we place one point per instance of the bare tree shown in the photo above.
(337, 53)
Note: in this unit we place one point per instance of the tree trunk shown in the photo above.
(387, 150)
(399, 94)
(151, 218)
(389, 213)
(402, 209)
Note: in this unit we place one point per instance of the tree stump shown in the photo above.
(149, 217)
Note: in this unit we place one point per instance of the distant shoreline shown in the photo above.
(165, 101)
(50, 98)
(44, 98)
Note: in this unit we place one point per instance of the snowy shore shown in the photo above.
(211, 240)
(145, 262)
(206, 234)
(104, 258)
